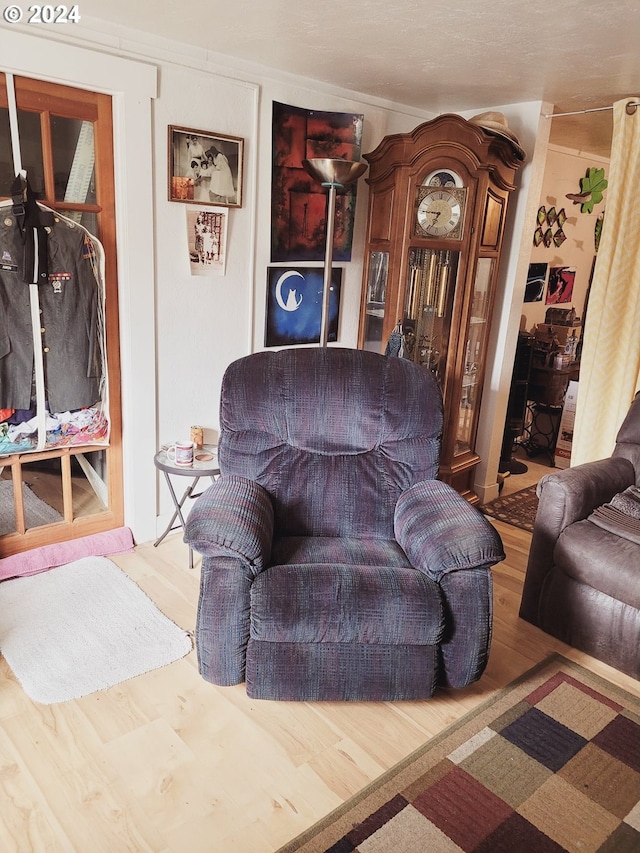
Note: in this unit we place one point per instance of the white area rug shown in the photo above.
(82, 627)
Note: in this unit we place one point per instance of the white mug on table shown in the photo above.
(181, 453)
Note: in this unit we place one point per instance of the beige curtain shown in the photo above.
(610, 365)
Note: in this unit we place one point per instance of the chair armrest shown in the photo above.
(233, 517)
(440, 532)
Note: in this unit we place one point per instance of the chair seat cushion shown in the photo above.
(328, 603)
(339, 550)
(600, 559)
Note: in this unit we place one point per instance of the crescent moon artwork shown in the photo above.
(294, 305)
(292, 302)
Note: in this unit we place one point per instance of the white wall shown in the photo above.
(202, 322)
(180, 332)
(533, 132)
(563, 171)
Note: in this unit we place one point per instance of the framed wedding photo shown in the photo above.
(204, 167)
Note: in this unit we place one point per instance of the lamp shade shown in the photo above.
(334, 171)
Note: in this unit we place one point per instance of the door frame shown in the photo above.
(46, 100)
(132, 86)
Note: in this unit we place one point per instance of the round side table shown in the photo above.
(202, 467)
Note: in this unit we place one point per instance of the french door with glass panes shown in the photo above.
(66, 149)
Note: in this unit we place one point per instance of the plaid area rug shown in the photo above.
(518, 509)
(550, 764)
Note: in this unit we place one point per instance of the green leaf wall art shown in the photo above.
(592, 187)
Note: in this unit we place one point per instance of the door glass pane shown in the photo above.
(6, 154)
(73, 160)
(85, 218)
(31, 150)
(89, 483)
(41, 495)
(475, 353)
(376, 295)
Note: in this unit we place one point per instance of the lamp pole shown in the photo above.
(333, 174)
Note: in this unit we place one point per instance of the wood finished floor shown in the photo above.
(171, 764)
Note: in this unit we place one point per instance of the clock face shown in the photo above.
(440, 212)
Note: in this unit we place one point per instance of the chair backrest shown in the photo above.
(334, 435)
(628, 438)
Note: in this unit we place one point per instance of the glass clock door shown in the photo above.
(431, 278)
(376, 296)
(475, 354)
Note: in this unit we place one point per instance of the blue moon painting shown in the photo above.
(294, 305)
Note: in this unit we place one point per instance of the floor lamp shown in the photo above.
(333, 174)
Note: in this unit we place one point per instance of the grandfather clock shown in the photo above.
(437, 209)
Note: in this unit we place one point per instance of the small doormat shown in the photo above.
(549, 764)
(518, 509)
(81, 628)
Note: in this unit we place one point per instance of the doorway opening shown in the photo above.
(66, 143)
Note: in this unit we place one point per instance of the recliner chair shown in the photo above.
(335, 565)
(583, 576)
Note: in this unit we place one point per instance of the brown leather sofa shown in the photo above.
(583, 576)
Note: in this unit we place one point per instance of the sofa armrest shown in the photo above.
(572, 494)
(566, 497)
(440, 532)
(233, 517)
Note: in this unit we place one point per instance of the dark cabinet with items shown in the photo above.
(554, 364)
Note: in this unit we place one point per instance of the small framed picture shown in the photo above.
(205, 168)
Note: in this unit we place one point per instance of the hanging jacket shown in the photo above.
(70, 302)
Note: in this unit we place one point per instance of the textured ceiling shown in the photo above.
(438, 55)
